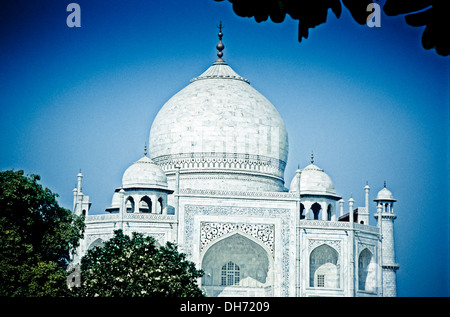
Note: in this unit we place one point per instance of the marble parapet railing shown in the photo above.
(231, 193)
(337, 225)
(131, 217)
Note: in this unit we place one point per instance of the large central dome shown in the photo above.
(222, 133)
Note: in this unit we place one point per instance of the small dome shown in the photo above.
(314, 181)
(144, 174)
(115, 204)
(116, 200)
(385, 194)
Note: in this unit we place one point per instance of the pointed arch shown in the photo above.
(366, 271)
(96, 243)
(237, 263)
(324, 267)
(145, 204)
(316, 208)
(129, 204)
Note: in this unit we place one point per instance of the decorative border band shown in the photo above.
(251, 162)
(210, 231)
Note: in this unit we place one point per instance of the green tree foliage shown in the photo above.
(134, 266)
(36, 236)
(433, 14)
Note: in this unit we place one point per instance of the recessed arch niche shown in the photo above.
(253, 261)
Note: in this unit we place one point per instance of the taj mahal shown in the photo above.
(212, 181)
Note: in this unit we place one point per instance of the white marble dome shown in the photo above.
(313, 181)
(144, 174)
(385, 195)
(220, 124)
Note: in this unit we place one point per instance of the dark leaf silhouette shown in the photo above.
(313, 13)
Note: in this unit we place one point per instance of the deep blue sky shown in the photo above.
(371, 103)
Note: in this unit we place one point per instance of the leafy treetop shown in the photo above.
(36, 236)
(135, 267)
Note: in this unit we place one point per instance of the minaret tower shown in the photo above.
(363, 212)
(81, 202)
(385, 217)
(81, 206)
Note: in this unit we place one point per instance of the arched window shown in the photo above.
(96, 243)
(329, 212)
(366, 271)
(130, 204)
(302, 211)
(324, 267)
(316, 210)
(145, 205)
(252, 274)
(230, 274)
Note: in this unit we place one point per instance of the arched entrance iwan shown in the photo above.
(237, 265)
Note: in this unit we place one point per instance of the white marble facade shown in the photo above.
(213, 182)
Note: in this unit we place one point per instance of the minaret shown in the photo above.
(351, 202)
(298, 174)
(81, 206)
(351, 240)
(385, 214)
(81, 202)
(367, 189)
(363, 213)
(341, 207)
(79, 178)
